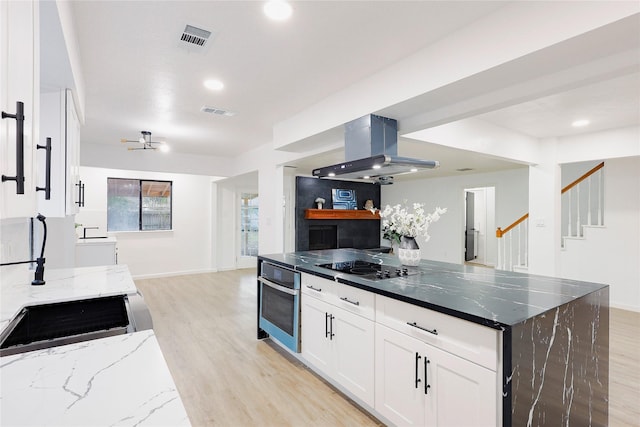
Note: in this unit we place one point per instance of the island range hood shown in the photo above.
(371, 148)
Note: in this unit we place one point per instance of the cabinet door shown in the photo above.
(19, 81)
(316, 328)
(72, 126)
(461, 393)
(399, 391)
(353, 354)
(52, 126)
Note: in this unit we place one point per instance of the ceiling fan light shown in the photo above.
(164, 148)
(141, 140)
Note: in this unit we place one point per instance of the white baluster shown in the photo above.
(510, 252)
(569, 211)
(600, 175)
(526, 243)
(498, 265)
(578, 225)
(589, 203)
(519, 242)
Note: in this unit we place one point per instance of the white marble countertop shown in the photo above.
(121, 380)
(67, 284)
(94, 240)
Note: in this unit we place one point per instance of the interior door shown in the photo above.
(469, 241)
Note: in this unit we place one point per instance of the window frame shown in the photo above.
(140, 181)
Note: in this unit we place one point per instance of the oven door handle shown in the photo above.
(284, 289)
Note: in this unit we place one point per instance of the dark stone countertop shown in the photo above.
(495, 298)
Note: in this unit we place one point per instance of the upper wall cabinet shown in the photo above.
(19, 97)
(59, 121)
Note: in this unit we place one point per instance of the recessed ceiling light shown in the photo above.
(580, 123)
(413, 170)
(366, 177)
(278, 10)
(377, 166)
(213, 84)
(332, 174)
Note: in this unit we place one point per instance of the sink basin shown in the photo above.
(49, 325)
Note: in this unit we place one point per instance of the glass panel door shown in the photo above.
(248, 225)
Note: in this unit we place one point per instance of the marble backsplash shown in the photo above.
(15, 245)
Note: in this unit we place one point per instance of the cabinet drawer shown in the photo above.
(476, 343)
(318, 287)
(355, 300)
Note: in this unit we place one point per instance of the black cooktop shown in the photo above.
(369, 270)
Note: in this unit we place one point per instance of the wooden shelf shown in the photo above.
(340, 214)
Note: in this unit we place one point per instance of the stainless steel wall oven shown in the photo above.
(279, 305)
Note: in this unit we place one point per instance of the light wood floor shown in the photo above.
(206, 326)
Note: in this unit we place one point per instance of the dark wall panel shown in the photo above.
(361, 234)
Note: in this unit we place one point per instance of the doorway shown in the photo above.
(480, 244)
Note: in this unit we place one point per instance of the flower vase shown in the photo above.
(409, 251)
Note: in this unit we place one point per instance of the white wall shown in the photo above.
(185, 249)
(447, 235)
(611, 255)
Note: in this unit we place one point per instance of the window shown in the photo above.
(138, 205)
(248, 224)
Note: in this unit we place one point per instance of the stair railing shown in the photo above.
(518, 231)
(576, 209)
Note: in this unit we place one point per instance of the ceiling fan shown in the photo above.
(146, 143)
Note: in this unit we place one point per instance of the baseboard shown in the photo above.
(172, 274)
(633, 308)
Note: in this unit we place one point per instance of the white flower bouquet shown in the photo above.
(398, 221)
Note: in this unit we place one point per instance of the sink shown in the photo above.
(49, 325)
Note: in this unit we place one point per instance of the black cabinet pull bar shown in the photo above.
(47, 185)
(417, 375)
(314, 289)
(415, 325)
(426, 378)
(19, 117)
(345, 299)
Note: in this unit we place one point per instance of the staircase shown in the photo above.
(582, 207)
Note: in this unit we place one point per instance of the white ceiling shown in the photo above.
(138, 78)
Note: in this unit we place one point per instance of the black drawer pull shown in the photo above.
(345, 299)
(47, 185)
(314, 289)
(415, 325)
(19, 117)
(417, 380)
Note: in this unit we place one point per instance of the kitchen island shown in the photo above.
(550, 336)
(118, 380)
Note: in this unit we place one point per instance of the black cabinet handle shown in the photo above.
(417, 363)
(47, 185)
(415, 325)
(326, 324)
(345, 299)
(19, 178)
(80, 201)
(331, 334)
(314, 289)
(426, 378)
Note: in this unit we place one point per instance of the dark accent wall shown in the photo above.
(361, 234)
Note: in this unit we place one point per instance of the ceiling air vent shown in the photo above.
(217, 111)
(195, 39)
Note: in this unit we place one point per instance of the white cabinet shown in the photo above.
(335, 340)
(94, 252)
(59, 121)
(19, 82)
(419, 383)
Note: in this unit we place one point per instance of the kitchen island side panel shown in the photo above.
(560, 365)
